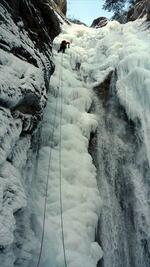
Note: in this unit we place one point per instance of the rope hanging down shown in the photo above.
(60, 170)
(47, 186)
(60, 174)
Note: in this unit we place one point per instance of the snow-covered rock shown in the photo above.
(99, 22)
(27, 29)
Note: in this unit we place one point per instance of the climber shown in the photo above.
(77, 66)
(63, 46)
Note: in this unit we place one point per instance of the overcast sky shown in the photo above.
(86, 10)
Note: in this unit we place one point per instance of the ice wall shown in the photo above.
(115, 62)
(123, 146)
(66, 129)
(123, 179)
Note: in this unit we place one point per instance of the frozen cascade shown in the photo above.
(80, 196)
(119, 197)
(122, 155)
(123, 180)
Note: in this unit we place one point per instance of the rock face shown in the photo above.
(148, 11)
(27, 28)
(99, 22)
(77, 21)
(62, 4)
(140, 9)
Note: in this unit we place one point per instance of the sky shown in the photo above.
(86, 10)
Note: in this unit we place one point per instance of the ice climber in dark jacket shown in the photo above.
(63, 46)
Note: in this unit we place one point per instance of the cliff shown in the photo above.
(62, 4)
(27, 28)
(99, 22)
(140, 9)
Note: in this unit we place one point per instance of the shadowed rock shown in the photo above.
(62, 4)
(27, 29)
(140, 9)
(99, 22)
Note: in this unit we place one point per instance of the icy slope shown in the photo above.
(80, 197)
(100, 51)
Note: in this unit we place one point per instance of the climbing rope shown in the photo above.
(60, 173)
(60, 170)
(47, 186)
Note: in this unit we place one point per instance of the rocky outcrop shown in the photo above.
(102, 90)
(62, 4)
(148, 10)
(77, 21)
(99, 22)
(27, 28)
(137, 10)
(140, 9)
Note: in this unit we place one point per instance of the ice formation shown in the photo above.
(66, 128)
(120, 48)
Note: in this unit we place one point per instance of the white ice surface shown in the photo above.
(80, 196)
(121, 47)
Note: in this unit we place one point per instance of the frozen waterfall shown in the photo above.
(98, 102)
(114, 61)
(123, 180)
